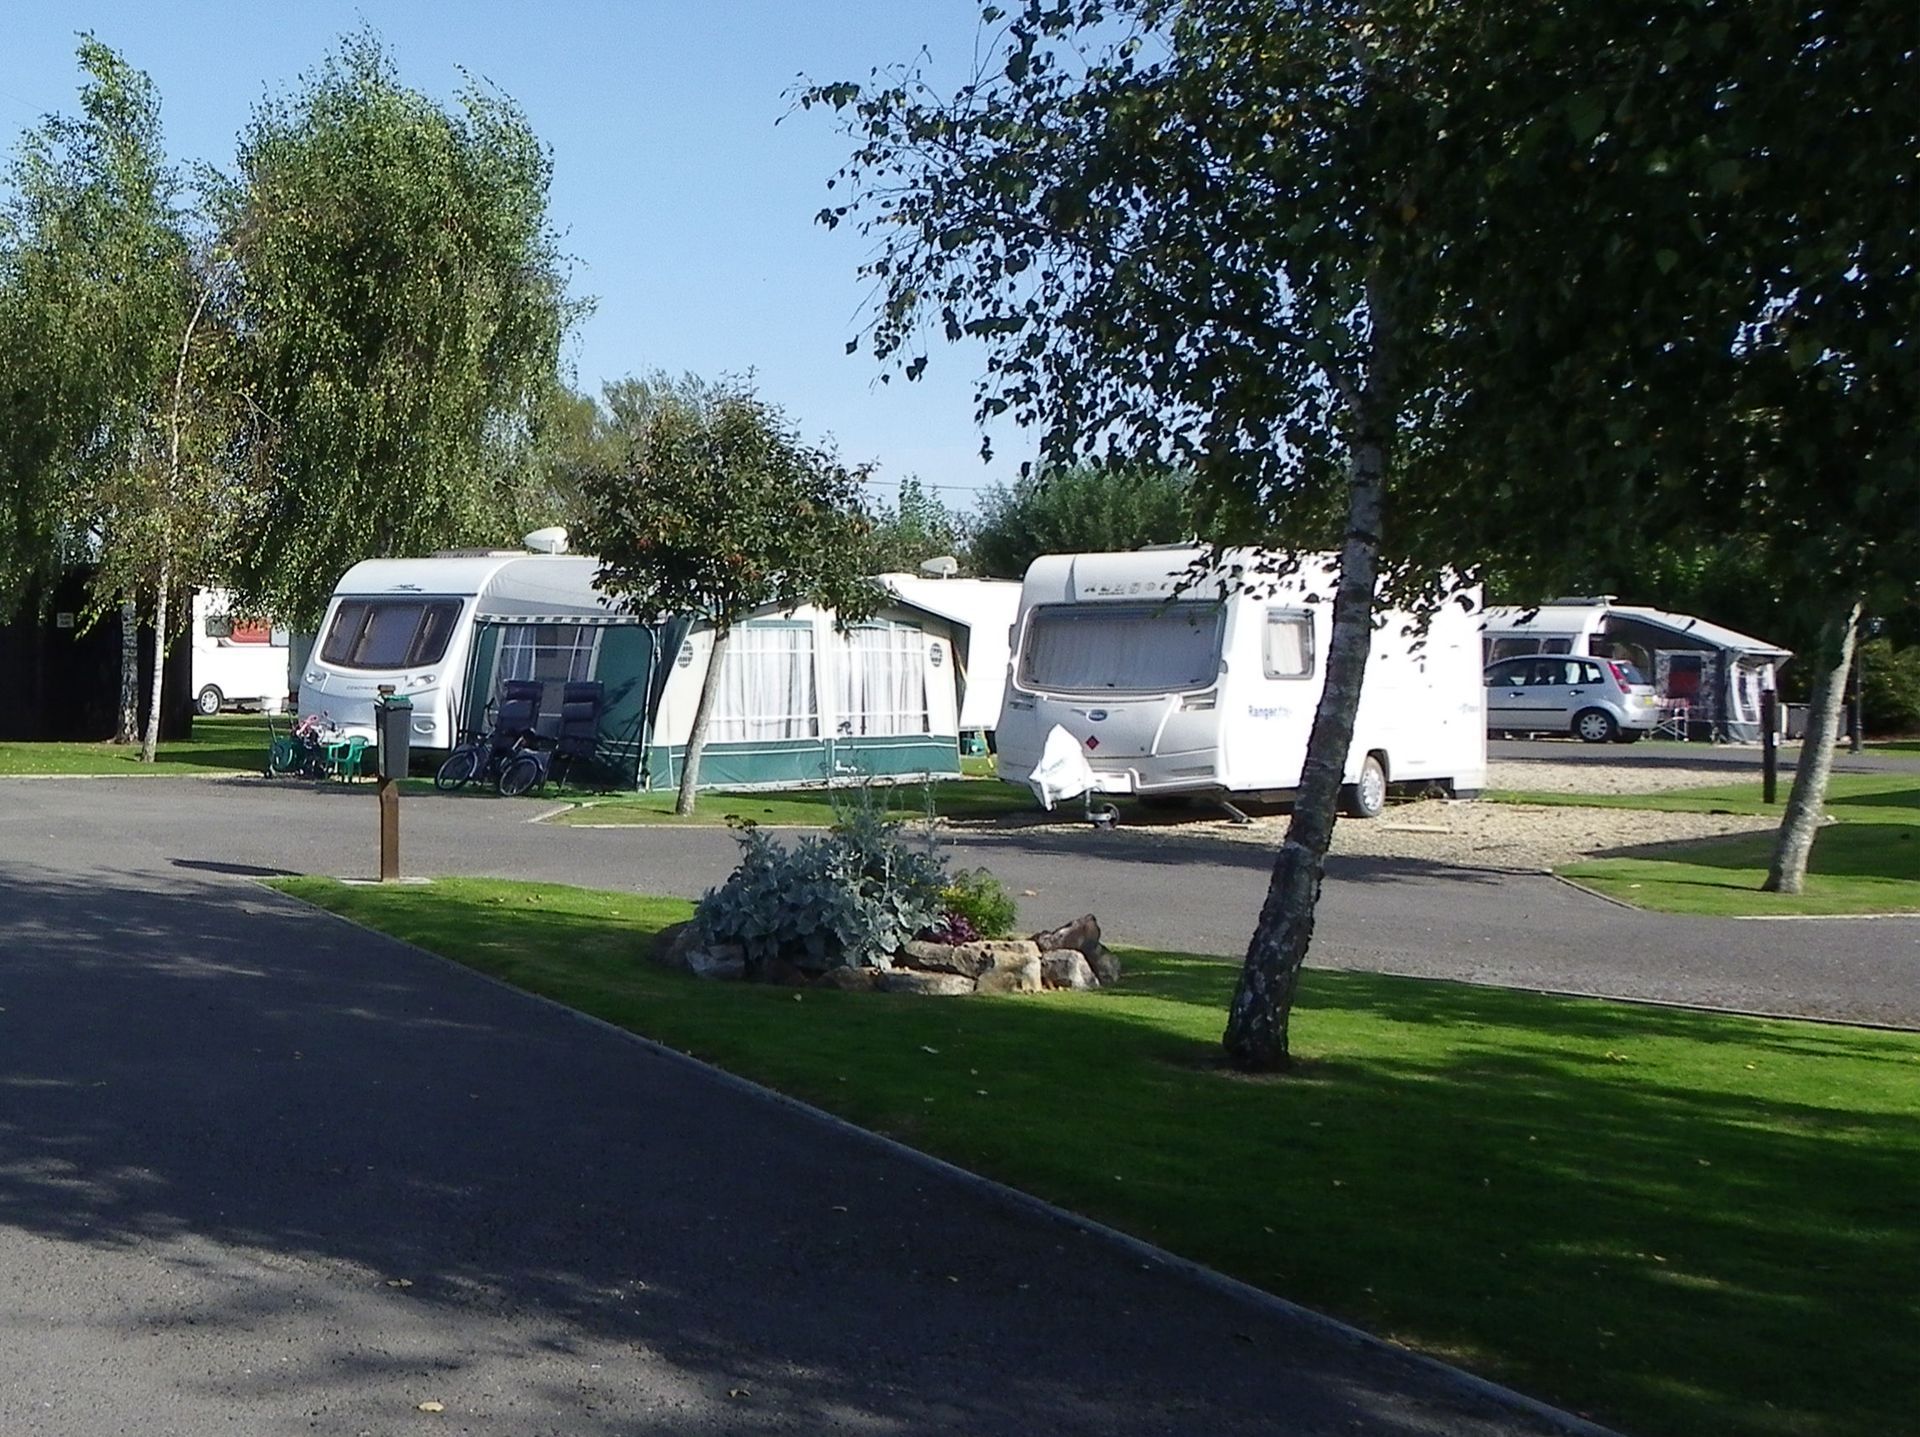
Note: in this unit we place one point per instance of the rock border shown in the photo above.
(1070, 957)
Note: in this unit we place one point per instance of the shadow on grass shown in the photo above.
(1683, 1222)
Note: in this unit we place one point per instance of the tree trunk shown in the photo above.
(151, 742)
(1256, 1035)
(1794, 846)
(702, 713)
(128, 729)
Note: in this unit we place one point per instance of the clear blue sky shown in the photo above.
(687, 209)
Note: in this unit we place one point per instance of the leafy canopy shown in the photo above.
(718, 509)
(403, 306)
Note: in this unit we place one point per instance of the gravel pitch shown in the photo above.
(1525, 838)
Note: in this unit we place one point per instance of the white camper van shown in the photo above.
(411, 623)
(236, 663)
(1171, 689)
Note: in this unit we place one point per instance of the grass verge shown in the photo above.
(232, 743)
(1675, 1222)
(1866, 861)
(948, 798)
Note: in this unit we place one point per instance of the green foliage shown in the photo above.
(1079, 508)
(718, 509)
(402, 301)
(846, 899)
(917, 527)
(1889, 687)
(977, 896)
(96, 290)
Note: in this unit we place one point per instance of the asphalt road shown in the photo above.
(264, 1173)
(1745, 758)
(1380, 915)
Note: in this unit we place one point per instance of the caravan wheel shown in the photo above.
(207, 702)
(1368, 797)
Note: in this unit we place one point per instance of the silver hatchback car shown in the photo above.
(1595, 700)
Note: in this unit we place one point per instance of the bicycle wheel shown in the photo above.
(521, 774)
(461, 768)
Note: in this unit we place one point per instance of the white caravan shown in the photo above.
(1171, 689)
(411, 623)
(236, 663)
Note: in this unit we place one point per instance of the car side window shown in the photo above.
(1589, 673)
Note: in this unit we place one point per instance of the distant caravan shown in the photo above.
(1173, 690)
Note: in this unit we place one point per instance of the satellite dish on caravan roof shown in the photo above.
(943, 567)
(547, 541)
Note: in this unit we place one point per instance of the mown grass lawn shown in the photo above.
(231, 743)
(1678, 1223)
(1866, 861)
(945, 798)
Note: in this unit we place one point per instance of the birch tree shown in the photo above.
(97, 295)
(1191, 231)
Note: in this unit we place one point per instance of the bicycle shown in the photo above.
(498, 757)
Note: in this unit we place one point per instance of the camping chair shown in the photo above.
(346, 758)
(578, 738)
(517, 718)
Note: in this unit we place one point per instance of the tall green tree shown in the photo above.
(718, 509)
(402, 304)
(1708, 318)
(1195, 240)
(1079, 508)
(108, 305)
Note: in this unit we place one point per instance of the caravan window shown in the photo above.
(883, 680)
(1141, 648)
(1289, 644)
(389, 633)
(766, 685)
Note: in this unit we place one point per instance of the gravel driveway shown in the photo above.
(1527, 838)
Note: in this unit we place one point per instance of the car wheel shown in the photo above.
(1368, 797)
(460, 769)
(524, 773)
(207, 702)
(1595, 726)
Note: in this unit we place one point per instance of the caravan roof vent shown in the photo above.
(547, 541)
(1596, 601)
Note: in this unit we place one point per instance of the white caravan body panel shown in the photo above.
(410, 623)
(1174, 687)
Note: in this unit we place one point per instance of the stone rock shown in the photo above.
(1002, 949)
(1066, 968)
(1016, 975)
(672, 944)
(724, 962)
(849, 980)
(1105, 966)
(1082, 935)
(944, 958)
(936, 985)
